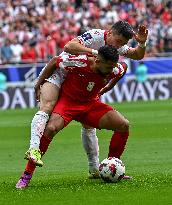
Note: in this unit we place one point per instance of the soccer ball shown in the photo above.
(112, 169)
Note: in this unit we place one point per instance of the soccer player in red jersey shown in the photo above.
(78, 100)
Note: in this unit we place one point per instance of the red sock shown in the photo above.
(44, 143)
(30, 167)
(117, 144)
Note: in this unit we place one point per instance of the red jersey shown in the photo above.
(81, 83)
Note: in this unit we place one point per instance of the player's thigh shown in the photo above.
(93, 114)
(48, 96)
(113, 120)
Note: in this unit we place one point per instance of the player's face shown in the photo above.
(104, 67)
(116, 40)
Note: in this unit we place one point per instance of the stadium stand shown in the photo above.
(36, 30)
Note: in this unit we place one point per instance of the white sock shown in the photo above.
(91, 146)
(37, 128)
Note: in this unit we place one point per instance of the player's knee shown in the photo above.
(50, 130)
(53, 128)
(125, 126)
(50, 105)
(47, 106)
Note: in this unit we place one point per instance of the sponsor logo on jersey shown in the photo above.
(116, 70)
(86, 36)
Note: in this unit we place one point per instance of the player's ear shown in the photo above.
(109, 32)
(97, 59)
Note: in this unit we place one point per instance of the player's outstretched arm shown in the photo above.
(75, 47)
(141, 37)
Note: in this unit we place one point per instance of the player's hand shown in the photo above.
(142, 34)
(37, 92)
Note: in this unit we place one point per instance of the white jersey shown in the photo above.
(94, 39)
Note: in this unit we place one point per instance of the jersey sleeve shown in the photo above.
(91, 37)
(68, 62)
(120, 70)
(117, 73)
(123, 50)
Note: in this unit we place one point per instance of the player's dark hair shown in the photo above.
(123, 28)
(108, 52)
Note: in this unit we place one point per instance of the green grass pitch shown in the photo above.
(63, 179)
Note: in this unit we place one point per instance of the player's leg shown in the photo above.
(91, 147)
(103, 116)
(48, 97)
(30, 166)
(117, 144)
(55, 124)
(107, 118)
(113, 120)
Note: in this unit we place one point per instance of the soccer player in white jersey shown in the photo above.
(118, 36)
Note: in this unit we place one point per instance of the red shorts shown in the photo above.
(86, 113)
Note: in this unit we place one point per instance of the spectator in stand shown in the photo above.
(29, 53)
(41, 49)
(63, 40)
(63, 19)
(51, 47)
(6, 52)
(17, 50)
(166, 16)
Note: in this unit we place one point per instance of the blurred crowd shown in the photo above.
(36, 30)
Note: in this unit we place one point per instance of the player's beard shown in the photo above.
(102, 74)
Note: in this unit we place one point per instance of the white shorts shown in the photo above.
(55, 79)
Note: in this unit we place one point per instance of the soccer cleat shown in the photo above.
(24, 181)
(34, 155)
(125, 177)
(94, 174)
